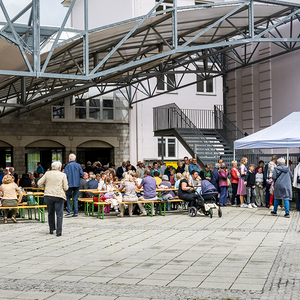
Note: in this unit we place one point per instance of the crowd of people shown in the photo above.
(252, 186)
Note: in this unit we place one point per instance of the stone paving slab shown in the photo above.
(238, 256)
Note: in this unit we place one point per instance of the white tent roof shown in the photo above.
(283, 134)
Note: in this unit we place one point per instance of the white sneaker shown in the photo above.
(144, 213)
(244, 205)
(253, 205)
(249, 206)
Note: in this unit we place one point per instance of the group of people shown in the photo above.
(262, 185)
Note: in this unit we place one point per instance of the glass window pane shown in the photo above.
(200, 85)
(171, 82)
(160, 83)
(171, 147)
(108, 114)
(159, 147)
(58, 112)
(94, 113)
(94, 103)
(209, 85)
(108, 103)
(80, 113)
(82, 103)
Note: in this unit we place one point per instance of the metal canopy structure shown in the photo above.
(125, 56)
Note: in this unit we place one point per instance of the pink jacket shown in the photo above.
(223, 177)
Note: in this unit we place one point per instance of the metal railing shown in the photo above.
(202, 118)
(171, 116)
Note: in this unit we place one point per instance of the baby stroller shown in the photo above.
(205, 201)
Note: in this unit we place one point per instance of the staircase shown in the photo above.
(207, 135)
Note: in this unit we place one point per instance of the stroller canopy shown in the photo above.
(207, 187)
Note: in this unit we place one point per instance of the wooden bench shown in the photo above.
(39, 211)
(87, 202)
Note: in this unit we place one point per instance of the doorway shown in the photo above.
(43, 155)
(103, 155)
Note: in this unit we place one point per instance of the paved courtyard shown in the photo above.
(246, 254)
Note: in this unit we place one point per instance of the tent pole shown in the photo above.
(233, 154)
(287, 157)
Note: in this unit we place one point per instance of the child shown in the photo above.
(172, 177)
(157, 178)
(259, 189)
(250, 187)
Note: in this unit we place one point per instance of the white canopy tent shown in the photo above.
(283, 134)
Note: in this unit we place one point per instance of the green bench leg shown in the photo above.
(43, 215)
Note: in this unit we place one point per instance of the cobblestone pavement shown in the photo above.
(246, 254)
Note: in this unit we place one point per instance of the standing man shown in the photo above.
(194, 166)
(40, 169)
(121, 170)
(73, 171)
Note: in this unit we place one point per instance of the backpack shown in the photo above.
(31, 200)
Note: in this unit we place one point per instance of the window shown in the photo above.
(166, 82)
(207, 86)
(169, 147)
(91, 109)
(108, 109)
(159, 147)
(58, 110)
(94, 109)
(167, 4)
(80, 110)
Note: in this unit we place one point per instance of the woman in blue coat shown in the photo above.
(282, 177)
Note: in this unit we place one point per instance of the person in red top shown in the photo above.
(235, 175)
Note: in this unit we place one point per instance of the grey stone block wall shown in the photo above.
(20, 131)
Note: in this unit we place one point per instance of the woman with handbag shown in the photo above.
(296, 183)
(10, 190)
(241, 191)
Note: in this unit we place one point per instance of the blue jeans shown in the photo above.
(223, 195)
(286, 205)
(55, 205)
(75, 191)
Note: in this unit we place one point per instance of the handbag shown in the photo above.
(31, 200)
(228, 182)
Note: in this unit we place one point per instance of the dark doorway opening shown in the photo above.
(103, 155)
(44, 155)
(5, 157)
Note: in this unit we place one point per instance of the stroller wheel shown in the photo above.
(206, 212)
(220, 212)
(211, 212)
(192, 211)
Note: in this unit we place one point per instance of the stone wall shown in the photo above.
(20, 131)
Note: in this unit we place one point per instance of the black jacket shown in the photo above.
(250, 178)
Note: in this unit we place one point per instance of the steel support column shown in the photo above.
(36, 36)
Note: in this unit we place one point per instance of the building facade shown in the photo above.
(143, 145)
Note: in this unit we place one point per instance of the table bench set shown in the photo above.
(38, 210)
(90, 203)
